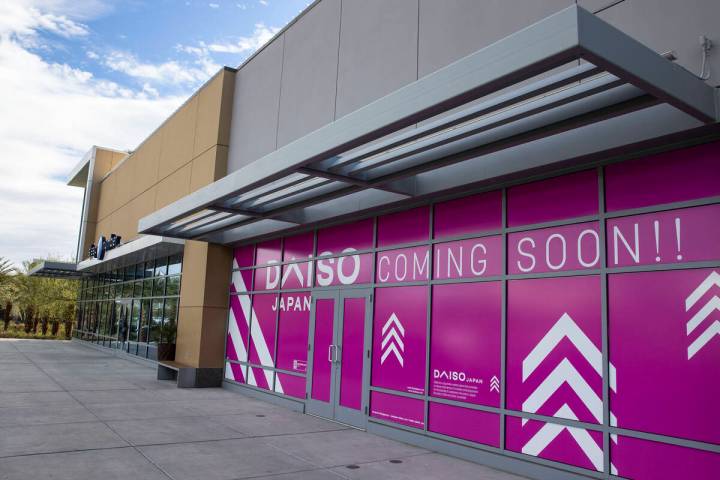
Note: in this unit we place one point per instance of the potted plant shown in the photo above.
(166, 347)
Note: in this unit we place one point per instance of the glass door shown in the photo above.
(338, 357)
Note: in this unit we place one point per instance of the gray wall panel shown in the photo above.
(672, 25)
(378, 50)
(253, 131)
(385, 44)
(452, 29)
(309, 74)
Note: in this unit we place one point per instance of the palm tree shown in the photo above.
(6, 268)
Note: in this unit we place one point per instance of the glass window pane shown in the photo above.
(144, 321)
(149, 269)
(157, 318)
(159, 288)
(173, 285)
(169, 331)
(138, 288)
(147, 288)
(175, 265)
(161, 266)
(134, 322)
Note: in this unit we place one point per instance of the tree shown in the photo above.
(40, 300)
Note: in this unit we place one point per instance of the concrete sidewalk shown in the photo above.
(68, 411)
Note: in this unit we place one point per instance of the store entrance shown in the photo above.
(339, 355)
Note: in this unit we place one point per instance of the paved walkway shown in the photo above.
(68, 411)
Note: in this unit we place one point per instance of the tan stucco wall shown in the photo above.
(187, 152)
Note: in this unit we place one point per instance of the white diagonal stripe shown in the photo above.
(256, 335)
(707, 284)
(704, 338)
(565, 373)
(703, 313)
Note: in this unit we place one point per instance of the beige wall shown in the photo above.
(187, 152)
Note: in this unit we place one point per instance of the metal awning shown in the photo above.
(50, 269)
(566, 86)
(142, 249)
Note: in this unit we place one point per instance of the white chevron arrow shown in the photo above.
(393, 334)
(549, 432)
(393, 320)
(712, 280)
(565, 327)
(495, 384)
(565, 373)
(390, 332)
(392, 349)
(704, 338)
(703, 313)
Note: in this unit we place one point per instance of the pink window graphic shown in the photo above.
(665, 341)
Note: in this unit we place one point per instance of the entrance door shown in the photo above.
(338, 362)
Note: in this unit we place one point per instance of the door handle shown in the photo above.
(330, 353)
(336, 353)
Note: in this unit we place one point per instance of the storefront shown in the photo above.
(485, 318)
(510, 255)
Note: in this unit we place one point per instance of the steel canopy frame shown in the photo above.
(360, 162)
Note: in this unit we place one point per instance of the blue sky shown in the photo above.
(77, 73)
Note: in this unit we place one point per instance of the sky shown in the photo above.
(78, 73)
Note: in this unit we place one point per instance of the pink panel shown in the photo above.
(262, 339)
(353, 333)
(473, 214)
(402, 410)
(357, 235)
(292, 385)
(263, 378)
(241, 281)
(324, 318)
(465, 342)
(244, 256)
(238, 325)
(665, 344)
(399, 333)
(683, 235)
(556, 249)
(646, 460)
(268, 252)
(472, 425)
(345, 270)
(293, 331)
(554, 360)
(403, 265)
(268, 278)
(235, 372)
(298, 247)
(673, 176)
(571, 445)
(559, 198)
(404, 227)
(473, 258)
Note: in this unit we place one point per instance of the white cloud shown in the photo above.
(260, 36)
(213, 5)
(242, 6)
(264, 3)
(171, 72)
(54, 114)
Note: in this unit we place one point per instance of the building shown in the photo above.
(487, 228)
